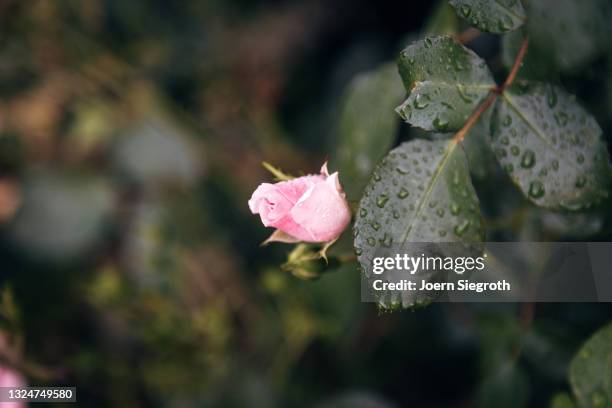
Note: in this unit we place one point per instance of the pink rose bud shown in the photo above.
(13, 379)
(311, 208)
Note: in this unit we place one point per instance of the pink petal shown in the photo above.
(323, 212)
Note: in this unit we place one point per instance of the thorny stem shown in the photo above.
(493, 94)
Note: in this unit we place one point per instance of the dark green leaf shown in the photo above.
(492, 16)
(590, 371)
(551, 147)
(477, 146)
(367, 126)
(446, 83)
(420, 193)
(564, 36)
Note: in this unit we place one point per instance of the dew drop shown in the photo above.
(536, 189)
(455, 208)
(507, 121)
(371, 241)
(375, 225)
(386, 241)
(462, 227)
(466, 10)
(561, 118)
(403, 193)
(363, 212)
(382, 200)
(515, 150)
(440, 124)
(421, 101)
(581, 181)
(528, 159)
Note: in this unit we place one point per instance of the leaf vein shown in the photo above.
(434, 180)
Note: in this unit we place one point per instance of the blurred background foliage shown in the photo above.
(131, 137)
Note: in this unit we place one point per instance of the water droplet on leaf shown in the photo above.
(536, 189)
(561, 118)
(455, 208)
(462, 227)
(421, 101)
(440, 124)
(382, 200)
(403, 193)
(528, 159)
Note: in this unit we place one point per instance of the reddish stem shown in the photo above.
(469, 124)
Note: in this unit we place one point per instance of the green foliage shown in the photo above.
(304, 262)
(446, 82)
(420, 192)
(590, 372)
(493, 16)
(367, 125)
(550, 146)
(477, 146)
(564, 34)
